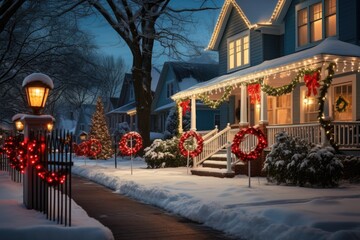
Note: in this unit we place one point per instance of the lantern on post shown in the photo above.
(37, 86)
(19, 125)
(83, 136)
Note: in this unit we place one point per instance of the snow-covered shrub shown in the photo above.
(351, 167)
(321, 167)
(164, 153)
(172, 123)
(282, 162)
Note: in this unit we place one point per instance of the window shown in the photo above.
(170, 89)
(132, 95)
(311, 109)
(345, 91)
(238, 52)
(279, 109)
(313, 24)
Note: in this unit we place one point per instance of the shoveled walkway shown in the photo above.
(128, 219)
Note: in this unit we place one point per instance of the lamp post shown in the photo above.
(37, 87)
(83, 136)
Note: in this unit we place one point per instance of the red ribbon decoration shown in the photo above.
(185, 106)
(311, 82)
(254, 93)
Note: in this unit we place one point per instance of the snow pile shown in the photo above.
(21, 223)
(262, 212)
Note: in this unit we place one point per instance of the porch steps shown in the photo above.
(216, 166)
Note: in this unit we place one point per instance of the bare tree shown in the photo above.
(7, 9)
(140, 23)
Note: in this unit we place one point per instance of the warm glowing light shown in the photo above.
(37, 96)
(50, 126)
(19, 125)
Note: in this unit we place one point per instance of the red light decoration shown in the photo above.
(239, 137)
(94, 148)
(311, 80)
(199, 144)
(185, 105)
(16, 152)
(127, 150)
(254, 93)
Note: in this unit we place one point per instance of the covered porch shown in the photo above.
(283, 102)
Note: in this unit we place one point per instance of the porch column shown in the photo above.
(180, 116)
(243, 109)
(326, 116)
(193, 113)
(263, 108)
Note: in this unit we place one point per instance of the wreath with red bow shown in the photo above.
(129, 137)
(239, 137)
(185, 149)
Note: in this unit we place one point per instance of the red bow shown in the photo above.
(185, 106)
(311, 82)
(254, 93)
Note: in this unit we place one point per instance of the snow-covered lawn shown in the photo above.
(19, 223)
(263, 211)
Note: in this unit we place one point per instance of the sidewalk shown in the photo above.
(128, 219)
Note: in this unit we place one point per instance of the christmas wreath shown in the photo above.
(341, 104)
(239, 137)
(94, 148)
(186, 147)
(127, 150)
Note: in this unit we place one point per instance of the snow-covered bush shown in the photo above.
(293, 161)
(164, 153)
(172, 123)
(282, 162)
(351, 167)
(321, 167)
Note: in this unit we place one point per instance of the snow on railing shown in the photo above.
(347, 134)
(309, 131)
(213, 145)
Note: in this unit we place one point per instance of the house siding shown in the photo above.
(234, 26)
(256, 48)
(289, 36)
(163, 100)
(348, 29)
(296, 105)
(275, 50)
(205, 119)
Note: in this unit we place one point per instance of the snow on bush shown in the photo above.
(294, 161)
(351, 167)
(164, 153)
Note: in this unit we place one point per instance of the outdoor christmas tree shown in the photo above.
(99, 130)
(172, 123)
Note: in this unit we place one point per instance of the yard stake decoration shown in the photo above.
(190, 145)
(254, 154)
(132, 149)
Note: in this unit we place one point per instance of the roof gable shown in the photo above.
(248, 12)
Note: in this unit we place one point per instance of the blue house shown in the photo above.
(287, 47)
(126, 112)
(178, 76)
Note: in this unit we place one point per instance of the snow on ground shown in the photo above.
(17, 222)
(263, 211)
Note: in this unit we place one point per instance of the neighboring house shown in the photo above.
(126, 110)
(275, 43)
(84, 120)
(178, 76)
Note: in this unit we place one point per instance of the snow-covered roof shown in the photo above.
(330, 46)
(155, 75)
(124, 109)
(34, 77)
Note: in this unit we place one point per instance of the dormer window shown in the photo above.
(315, 21)
(238, 51)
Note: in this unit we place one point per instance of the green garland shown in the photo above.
(214, 104)
(325, 123)
(341, 104)
(271, 91)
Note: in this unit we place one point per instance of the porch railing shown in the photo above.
(212, 145)
(347, 134)
(309, 131)
(210, 133)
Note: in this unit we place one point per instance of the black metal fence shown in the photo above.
(48, 180)
(15, 175)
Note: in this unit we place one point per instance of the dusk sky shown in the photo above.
(110, 43)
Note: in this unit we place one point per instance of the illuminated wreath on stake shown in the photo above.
(127, 150)
(239, 137)
(341, 104)
(94, 148)
(185, 150)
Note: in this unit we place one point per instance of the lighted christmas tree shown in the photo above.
(99, 130)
